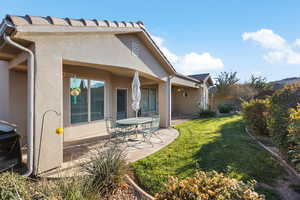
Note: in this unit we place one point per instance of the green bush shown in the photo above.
(106, 170)
(208, 186)
(294, 137)
(278, 119)
(255, 114)
(207, 113)
(225, 108)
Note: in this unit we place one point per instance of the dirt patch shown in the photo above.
(283, 185)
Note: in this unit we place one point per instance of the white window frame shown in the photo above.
(89, 102)
(156, 96)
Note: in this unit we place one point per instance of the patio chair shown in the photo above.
(112, 129)
(151, 129)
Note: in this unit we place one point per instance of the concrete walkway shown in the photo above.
(78, 153)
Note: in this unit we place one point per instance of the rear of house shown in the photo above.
(46, 60)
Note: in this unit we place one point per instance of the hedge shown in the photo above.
(255, 114)
(278, 118)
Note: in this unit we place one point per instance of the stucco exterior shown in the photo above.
(99, 50)
(111, 54)
(4, 89)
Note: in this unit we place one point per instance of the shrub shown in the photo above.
(255, 114)
(74, 188)
(16, 187)
(278, 119)
(294, 137)
(207, 113)
(208, 186)
(225, 108)
(106, 170)
(13, 186)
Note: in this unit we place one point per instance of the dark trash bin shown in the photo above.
(10, 151)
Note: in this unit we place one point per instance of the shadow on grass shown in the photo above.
(234, 153)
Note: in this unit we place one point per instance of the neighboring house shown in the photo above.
(277, 85)
(72, 73)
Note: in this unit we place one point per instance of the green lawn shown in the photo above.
(219, 144)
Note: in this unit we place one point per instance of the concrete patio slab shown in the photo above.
(78, 153)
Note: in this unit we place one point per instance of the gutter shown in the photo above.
(30, 102)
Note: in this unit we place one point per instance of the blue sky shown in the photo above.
(247, 36)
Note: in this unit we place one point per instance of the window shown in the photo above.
(149, 99)
(87, 100)
(97, 100)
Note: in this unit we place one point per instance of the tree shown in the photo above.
(259, 83)
(224, 84)
(226, 79)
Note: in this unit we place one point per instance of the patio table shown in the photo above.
(134, 121)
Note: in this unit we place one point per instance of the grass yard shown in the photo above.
(219, 144)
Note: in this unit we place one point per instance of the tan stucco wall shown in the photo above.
(186, 105)
(4, 91)
(103, 48)
(18, 102)
(13, 99)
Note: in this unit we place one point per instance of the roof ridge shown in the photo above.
(57, 21)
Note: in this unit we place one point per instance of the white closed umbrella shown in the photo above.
(136, 93)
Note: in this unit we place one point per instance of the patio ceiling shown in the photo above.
(118, 71)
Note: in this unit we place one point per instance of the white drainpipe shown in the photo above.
(30, 103)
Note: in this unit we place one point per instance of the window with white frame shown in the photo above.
(86, 100)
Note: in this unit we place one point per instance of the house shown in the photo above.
(277, 85)
(72, 73)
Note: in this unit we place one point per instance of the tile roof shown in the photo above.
(200, 77)
(55, 21)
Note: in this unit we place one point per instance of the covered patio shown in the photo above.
(105, 91)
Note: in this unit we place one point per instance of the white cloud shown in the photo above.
(190, 63)
(193, 63)
(274, 56)
(266, 38)
(278, 50)
(297, 43)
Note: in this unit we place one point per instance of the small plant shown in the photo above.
(13, 187)
(208, 186)
(74, 188)
(225, 108)
(255, 114)
(106, 170)
(207, 113)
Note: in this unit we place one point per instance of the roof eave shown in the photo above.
(188, 78)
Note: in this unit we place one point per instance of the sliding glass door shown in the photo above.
(121, 103)
(149, 100)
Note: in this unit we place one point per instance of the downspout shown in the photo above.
(30, 103)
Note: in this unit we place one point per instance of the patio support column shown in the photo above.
(164, 97)
(48, 146)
